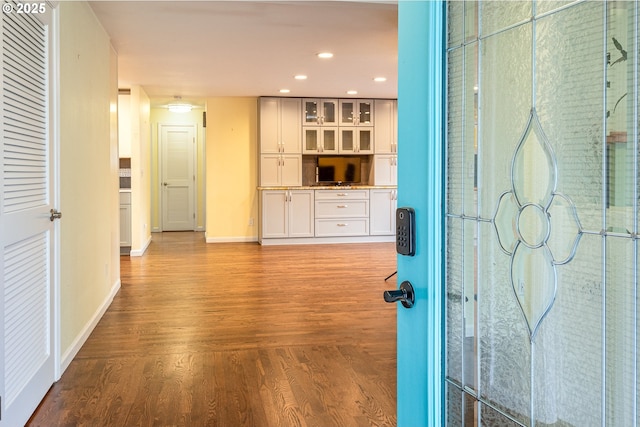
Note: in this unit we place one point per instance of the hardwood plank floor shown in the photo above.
(238, 335)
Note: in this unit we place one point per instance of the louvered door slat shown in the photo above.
(26, 308)
(25, 64)
(24, 113)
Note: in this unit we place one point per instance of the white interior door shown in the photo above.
(177, 177)
(27, 358)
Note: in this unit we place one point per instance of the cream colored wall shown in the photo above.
(89, 229)
(232, 169)
(124, 125)
(162, 116)
(140, 119)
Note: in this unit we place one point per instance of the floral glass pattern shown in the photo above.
(536, 225)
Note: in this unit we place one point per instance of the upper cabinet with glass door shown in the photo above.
(356, 112)
(319, 112)
(319, 139)
(356, 140)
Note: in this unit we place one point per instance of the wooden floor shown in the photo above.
(238, 335)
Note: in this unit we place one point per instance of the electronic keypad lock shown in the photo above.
(406, 231)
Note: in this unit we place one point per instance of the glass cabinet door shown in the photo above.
(320, 112)
(330, 140)
(365, 112)
(329, 112)
(347, 141)
(365, 140)
(347, 113)
(311, 139)
(311, 112)
(317, 139)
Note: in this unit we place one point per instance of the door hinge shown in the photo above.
(194, 215)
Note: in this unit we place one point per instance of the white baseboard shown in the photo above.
(242, 239)
(327, 240)
(140, 252)
(68, 356)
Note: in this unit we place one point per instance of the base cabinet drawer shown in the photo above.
(342, 208)
(342, 227)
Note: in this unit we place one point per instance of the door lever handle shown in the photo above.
(404, 294)
(54, 215)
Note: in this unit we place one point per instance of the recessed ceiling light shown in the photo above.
(379, 79)
(325, 55)
(352, 92)
(300, 77)
(284, 91)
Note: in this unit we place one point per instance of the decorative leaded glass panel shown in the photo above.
(569, 103)
(550, 256)
(455, 275)
(498, 15)
(620, 333)
(455, 132)
(501, 122)
(470, 121)
(503, 339)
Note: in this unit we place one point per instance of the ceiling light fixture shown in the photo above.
(300, 77)
(179, 107)
(379, 79)
(284, 91)
(352, 92)
(325, 55)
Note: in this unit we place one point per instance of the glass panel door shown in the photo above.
(311, 114)
(542, 219)
(329, 140)
(329, 108)
(347, 113)
(310, 142)
(365, 112)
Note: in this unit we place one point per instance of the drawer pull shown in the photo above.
(343, 206)
(342, 194)
(342, 224)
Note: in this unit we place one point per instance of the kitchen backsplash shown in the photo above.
(125, 172)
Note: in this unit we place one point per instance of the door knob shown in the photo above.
(55, 214)
(165, 183)
(404, 294)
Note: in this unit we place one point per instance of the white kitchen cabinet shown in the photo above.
(280, 169)
(383, 208)
(287, 213)
(386, 129)
(356, 112)
(319, 112)
(125, 221)
(319, 139)
(342, 213)
(385, 169)
(280, 125)
(356, 140)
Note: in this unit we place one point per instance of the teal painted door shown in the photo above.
(420, 68)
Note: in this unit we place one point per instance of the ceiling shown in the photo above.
(206, 49)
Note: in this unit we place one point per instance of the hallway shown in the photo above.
(238, 335)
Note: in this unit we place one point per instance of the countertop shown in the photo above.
(330, 187)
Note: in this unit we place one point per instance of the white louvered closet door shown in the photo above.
(26, 196)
